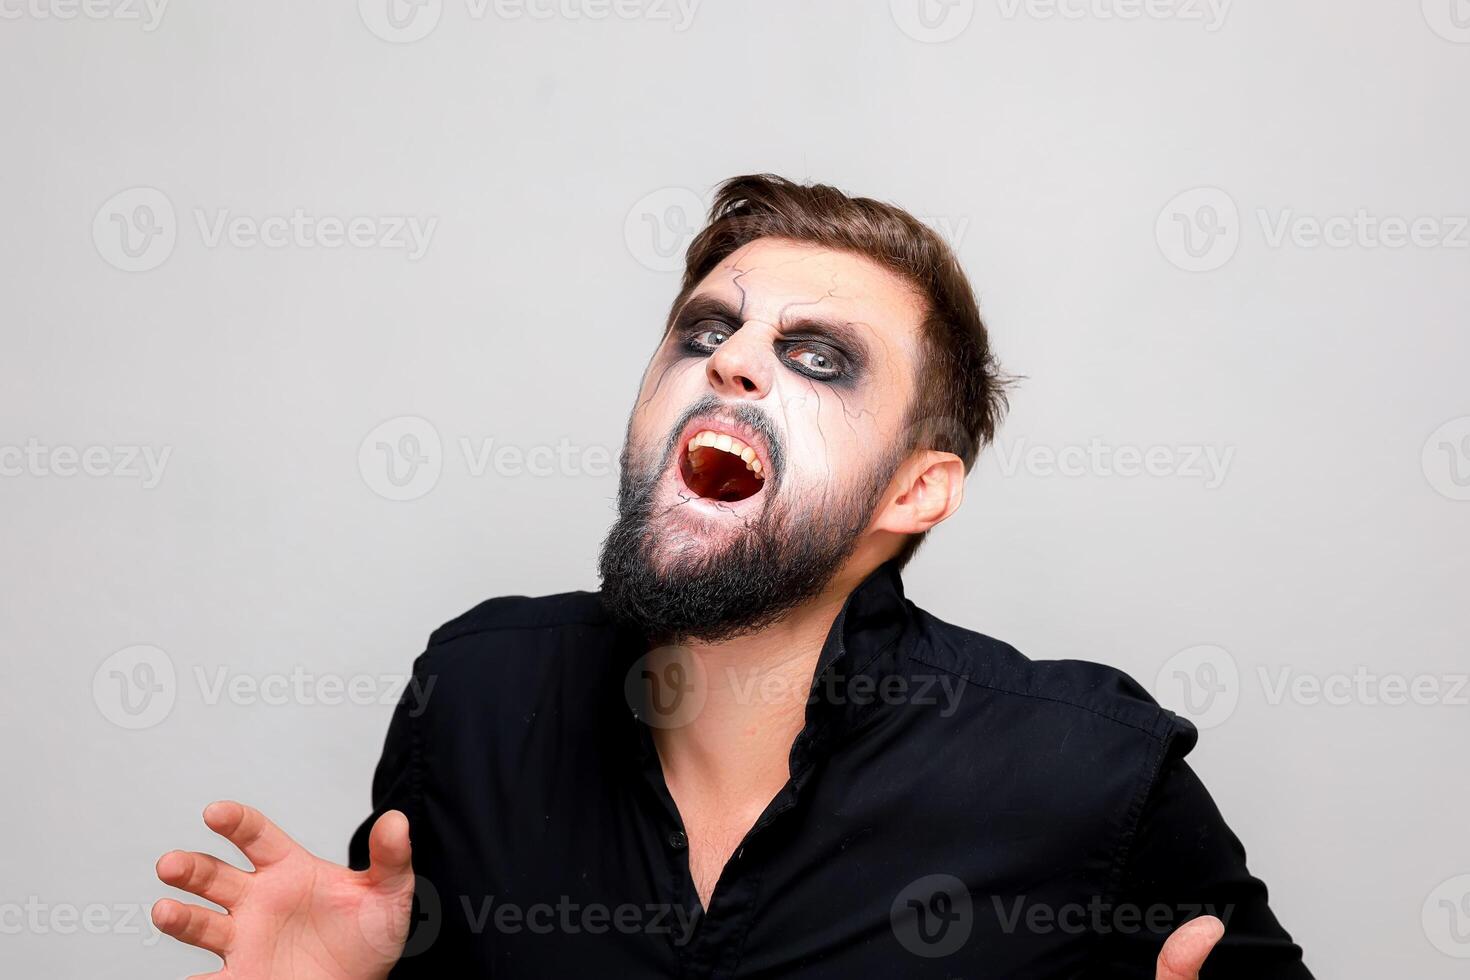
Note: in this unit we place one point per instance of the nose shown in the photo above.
(741, 366)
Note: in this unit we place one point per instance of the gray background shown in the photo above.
(1051, 145)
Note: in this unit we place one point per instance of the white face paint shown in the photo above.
(819, 346)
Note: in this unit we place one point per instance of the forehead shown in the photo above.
(779, 282)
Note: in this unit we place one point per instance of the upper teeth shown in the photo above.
(729, 444)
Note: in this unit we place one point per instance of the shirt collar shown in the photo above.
(862, 647)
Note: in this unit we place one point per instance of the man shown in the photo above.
(749, 755)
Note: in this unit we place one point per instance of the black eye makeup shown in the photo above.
(814, 359)
(703, 337)
(821, 350)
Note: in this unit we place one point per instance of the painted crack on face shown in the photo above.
(709, 544)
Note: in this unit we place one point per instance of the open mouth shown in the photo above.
(718, 466)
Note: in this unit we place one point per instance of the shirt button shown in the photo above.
(677, 840)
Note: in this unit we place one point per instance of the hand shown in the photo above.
(295, 915)
(1184, 952)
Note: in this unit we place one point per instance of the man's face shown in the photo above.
(796, 362)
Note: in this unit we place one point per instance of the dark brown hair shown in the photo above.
(960, 394)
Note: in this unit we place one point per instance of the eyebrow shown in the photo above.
(840, 332)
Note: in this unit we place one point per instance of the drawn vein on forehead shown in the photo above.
(855, 336)
(852, 335)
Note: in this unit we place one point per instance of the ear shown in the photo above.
(927, 488)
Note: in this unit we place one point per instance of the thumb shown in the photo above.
(1184, 952)
(389, 852)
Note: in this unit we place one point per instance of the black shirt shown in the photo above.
(954, 810)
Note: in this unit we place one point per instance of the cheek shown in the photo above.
(669, 386)
(832, 435)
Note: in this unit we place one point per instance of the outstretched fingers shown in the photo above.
(204, 875)
(248, 829)
(194, 925)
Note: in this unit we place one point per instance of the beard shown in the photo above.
(673, 584)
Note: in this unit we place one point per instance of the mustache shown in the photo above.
(746, 413)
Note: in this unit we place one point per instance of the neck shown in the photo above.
(753, 690)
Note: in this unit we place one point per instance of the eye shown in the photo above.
(706, 336)
(816, 361)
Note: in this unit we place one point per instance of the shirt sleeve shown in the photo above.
(397, 785)
(1183, 861)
